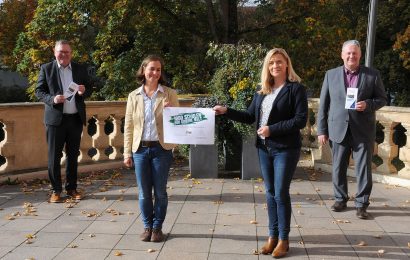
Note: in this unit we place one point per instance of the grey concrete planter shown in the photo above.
(203, 161)
(250, 159)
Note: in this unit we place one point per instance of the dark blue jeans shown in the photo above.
(278, 167)
(151, 169)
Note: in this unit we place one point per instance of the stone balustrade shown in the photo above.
(23, 145)
(392, 147)
(23, 141)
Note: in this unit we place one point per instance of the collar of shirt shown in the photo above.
(61, 67)
(142, 92)
(348, 72)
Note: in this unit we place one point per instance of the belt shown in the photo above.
(149, 143)
(70, 115)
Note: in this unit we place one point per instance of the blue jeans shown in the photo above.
(151, 169)
(278, 167)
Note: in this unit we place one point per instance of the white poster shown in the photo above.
(187, 125)
(351, 98)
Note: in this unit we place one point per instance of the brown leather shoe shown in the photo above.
(268, 247)
(146, 236)
(74, 194)
(281, 249)
(55, 198)
(157, 235)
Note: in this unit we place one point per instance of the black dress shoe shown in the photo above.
(362, 213)
(339, 206)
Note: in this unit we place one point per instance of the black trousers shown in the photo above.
(68, 133)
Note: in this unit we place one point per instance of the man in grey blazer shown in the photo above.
(64, 116)
(350, 130)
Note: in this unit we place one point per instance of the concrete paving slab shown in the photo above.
(133, 255)
(133, 242)
(5, 249)
(65, 224)
(82, 254)
(174, 255)
(108, 227)
(100, 241)
(32, 253)
(206, 219)
(27, 225)
(51, 240)
(12, 238)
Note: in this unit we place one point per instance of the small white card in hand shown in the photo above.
(351, 98)
(70, 91)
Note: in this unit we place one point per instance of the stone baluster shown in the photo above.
(404, 154)
(387, 150)
(101, 142)
(7, 146)
(85, 146)
(117, 138)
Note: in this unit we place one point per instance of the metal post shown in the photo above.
(371, 33)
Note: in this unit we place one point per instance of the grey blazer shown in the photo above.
(334, 119)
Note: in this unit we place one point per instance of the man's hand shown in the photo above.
(220, 110)
(59, 99)
(81, 90)
(361, 106)
(128, 162)
(323, 139)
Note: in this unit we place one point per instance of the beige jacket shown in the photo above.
(134, 118)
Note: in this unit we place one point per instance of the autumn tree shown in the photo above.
(14, 16)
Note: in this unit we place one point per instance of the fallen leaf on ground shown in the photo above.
(253, 222)
(30, 236)
(362, 243)
(380, 252)
(118, 253)
(151, 250)
(377, 236)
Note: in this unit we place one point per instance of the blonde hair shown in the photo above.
(267, 81)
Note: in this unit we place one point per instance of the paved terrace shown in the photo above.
(207, 219)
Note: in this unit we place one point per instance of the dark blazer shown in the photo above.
(49, 85)
(288, 115)
(334, 119)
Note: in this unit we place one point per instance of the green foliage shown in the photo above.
(115, 35)
(237, 74)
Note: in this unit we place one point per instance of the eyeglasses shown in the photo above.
(64, 52)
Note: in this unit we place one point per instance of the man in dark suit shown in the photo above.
(64, 116)
(351, 130)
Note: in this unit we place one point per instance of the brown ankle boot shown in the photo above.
(281, 249)
(269, 245)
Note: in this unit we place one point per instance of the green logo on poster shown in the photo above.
(187, 118)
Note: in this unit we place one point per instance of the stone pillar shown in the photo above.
(387, 150)
(404, 154)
